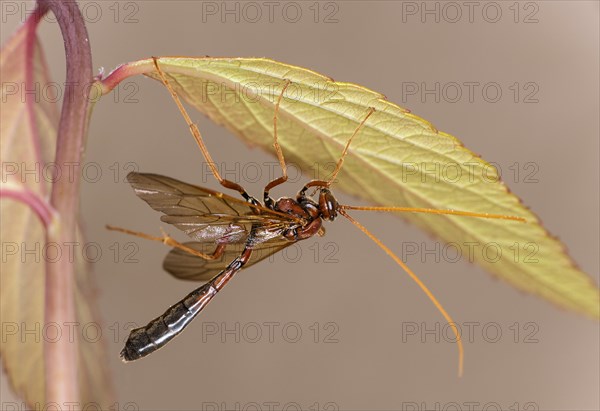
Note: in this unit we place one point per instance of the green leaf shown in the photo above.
(397, 159)
(28, 142)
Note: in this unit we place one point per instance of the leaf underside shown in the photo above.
(397, 159)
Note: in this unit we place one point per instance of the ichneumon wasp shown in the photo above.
(230, 234)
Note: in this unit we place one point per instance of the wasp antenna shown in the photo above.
(435, 211)
(417, 280)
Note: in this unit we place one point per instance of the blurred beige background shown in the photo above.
(343, 289)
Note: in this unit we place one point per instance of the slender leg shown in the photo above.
(198, 137)
(340, 162)
(268, 200)
(338, 167)
(168, 240)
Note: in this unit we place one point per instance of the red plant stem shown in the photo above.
(61, 358)
(30, 47)
(33, 201)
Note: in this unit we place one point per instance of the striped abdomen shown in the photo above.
(145, 340)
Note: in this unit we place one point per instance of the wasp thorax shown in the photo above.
(306, 210)
(290, 206)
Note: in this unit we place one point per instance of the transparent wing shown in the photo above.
(206, 215)
(186, 266)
